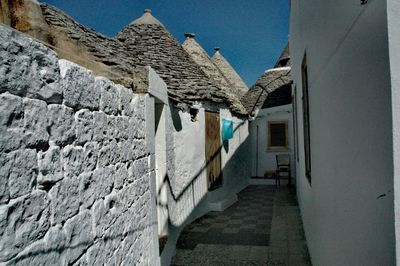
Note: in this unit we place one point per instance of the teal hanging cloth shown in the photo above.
(227, 129)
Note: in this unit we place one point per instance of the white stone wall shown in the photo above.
(393, 9)
(235, 160)
(187, 166)
(186, 163)
(348, 209)
(74, 166)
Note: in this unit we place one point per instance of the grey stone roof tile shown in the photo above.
(229, 72)
(193, 48)
(270, 81)
(273, 88)
(156, 47)
(144, 42)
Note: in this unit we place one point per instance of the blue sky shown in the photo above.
(251, 33)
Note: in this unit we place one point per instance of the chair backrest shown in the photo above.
(283, 160)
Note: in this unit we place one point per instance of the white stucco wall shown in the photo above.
(235, 162)
(266, 158)
(188, 169)
(348, 210)
(393, 9)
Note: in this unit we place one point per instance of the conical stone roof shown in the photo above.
(284, 58)
(149, 42)
(229, 72)
(273, 88)
(145, 42)
(200, 56)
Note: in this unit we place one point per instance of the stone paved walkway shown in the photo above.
(263, 228)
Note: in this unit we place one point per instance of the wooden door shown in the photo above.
(213, 150)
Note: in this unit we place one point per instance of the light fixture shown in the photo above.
(194, 110)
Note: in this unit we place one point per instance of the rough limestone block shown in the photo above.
(138, 105)
(90, 156)
(28, 68)
(64, 200)
(11, 139)
(23, 172)
(11, 110)
(121, 175)
(126, 96)
(102, 253)
(84, 126)
(78, 86)
(136, 128)
(46, 251)
(109, 153)
(55, 238)
(23, 222)
(72, 158)
(122, 126)
(96, 185)
(100, 132)
(126, 151)
(42, 255)
(144, 186)
(140, 167)
(5, 168)
(139, 147)
(102, 216)
(87, 194)
(61, 124)
(127, 196)
(35, 122)
(79, 234)
(50, 167)
(11, 122)
(82, 261)
(130, 257)
(110, 96)
(105, 180)
(112, 129)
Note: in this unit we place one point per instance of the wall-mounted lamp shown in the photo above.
(363, 2)
(194, 110)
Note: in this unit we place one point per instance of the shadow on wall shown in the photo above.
(235, 172)
(54, 253)
(51, 255)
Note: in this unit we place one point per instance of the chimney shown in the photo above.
(217, 49)
(189, 35)
(147, 11)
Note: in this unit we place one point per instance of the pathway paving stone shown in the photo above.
(263, 228)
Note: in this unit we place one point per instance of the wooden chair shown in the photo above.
(282, 166)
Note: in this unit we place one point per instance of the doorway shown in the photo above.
(213, 150)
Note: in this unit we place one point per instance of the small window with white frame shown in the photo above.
(278, 135)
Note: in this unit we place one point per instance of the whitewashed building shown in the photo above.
(345, 67)
(269, 102)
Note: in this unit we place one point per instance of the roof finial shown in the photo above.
(190, 35)
(217, 49)
(147, 11)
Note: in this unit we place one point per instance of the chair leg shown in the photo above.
(277, 180)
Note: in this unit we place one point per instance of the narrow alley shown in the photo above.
(262, 228)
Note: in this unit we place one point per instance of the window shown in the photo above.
(278, 135)
(306, 118)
